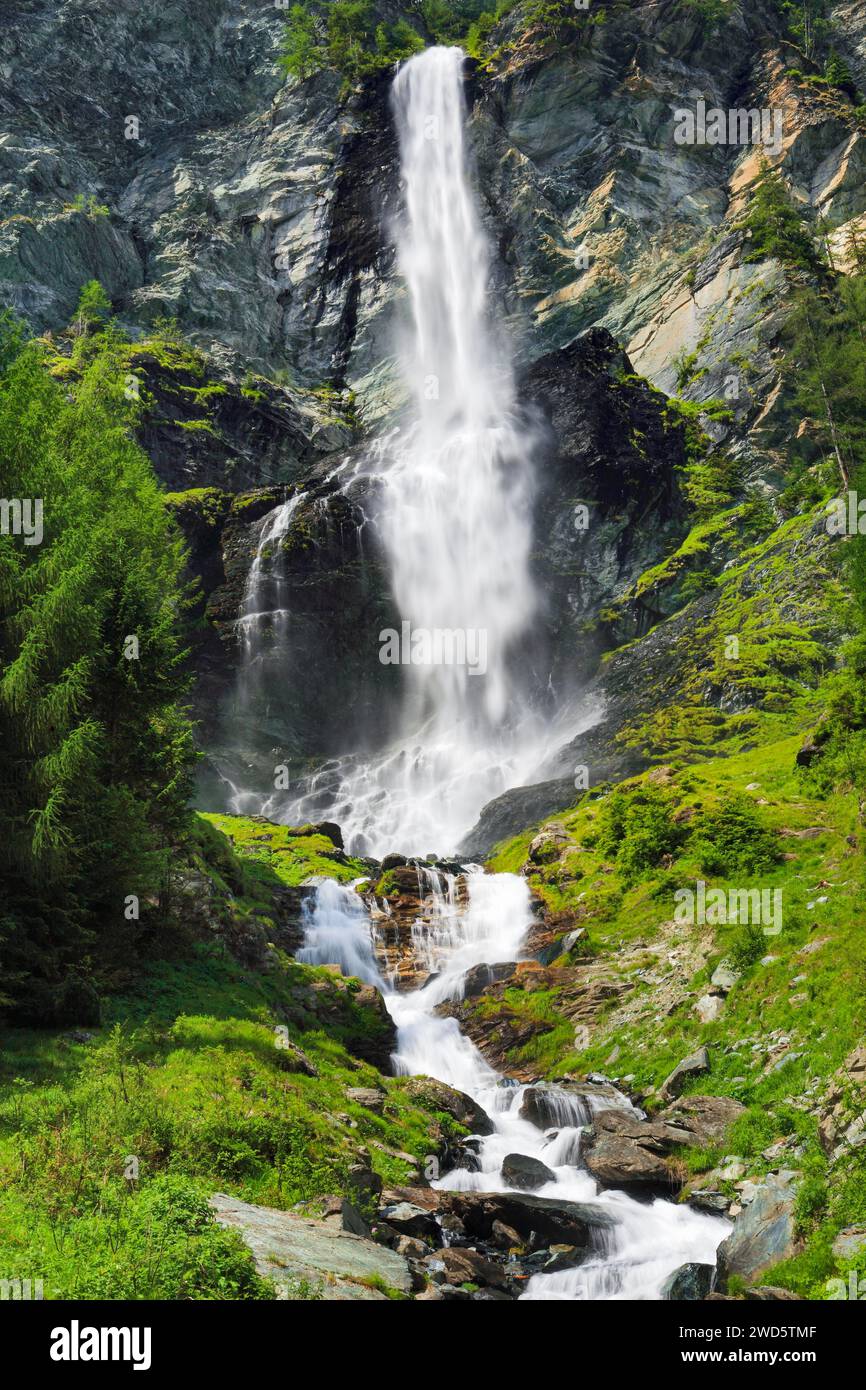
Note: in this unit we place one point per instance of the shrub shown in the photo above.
(636, 828)
(747, 946)
(732, 839)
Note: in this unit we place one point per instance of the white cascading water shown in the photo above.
(456, 522)
(455, 516)
(263, 626)
(649, 1240)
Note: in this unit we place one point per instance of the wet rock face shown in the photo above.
(405, 907)
(689, 1283)
(257, 209)
(254, 210)
(547, 1104)
(494, 1240)
(609, 504)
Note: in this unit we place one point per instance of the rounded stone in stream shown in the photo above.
(525, 1173)
(689, 1283)
(393, 861)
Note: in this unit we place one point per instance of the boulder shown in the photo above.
(411, 1248)
(536, 1220)
(462, 1266)
(519, 1170)
(764, 1231)
(462, 1108)
(695, 1065)
(352, 1220)
(702, 1120)
(564, 1257)
(724, 977)
(709, 1200)
(689, 1283)
(364, 1181)
(409, 1220)
(570, 940)
(476, 980)
(850, 1243)
(394, 861)
(622, 1150)
(710, 1007)
(370, 1031)
(329, 829)
(368, 1097)
(299, 1253)
(504, 1237)
(548, 843)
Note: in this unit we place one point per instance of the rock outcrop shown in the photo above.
(313, 1259)
(764, 1232)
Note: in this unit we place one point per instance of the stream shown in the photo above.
(650, 1239)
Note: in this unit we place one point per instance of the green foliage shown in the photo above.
(811, 1201)
(637, 829)
(732, 839)
(448, 21)
(711, 13)
(203, 1102)
(696, 583)
(807, 23)
(776, 227)
(748, 946)
(837, 72)
(90, 206)
(345, 36)
(825, 366)
(94, 307)
(95, 750)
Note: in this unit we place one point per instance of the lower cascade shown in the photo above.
(640, 1244)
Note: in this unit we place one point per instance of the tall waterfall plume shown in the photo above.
(455, 515)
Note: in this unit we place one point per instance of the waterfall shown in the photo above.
(455, 484)
(262, 638)
(455, 487)
(337, 932)
(456, 519)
